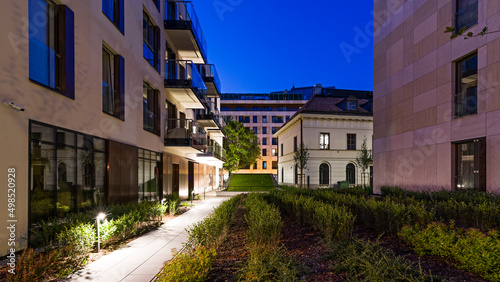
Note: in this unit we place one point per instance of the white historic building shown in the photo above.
(332, 128)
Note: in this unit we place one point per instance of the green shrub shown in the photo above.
(79, 238)
(268, 264)
(469, 249)
(211, 231)
(369, 262)
(107, 230)
(264, 221)
(193, 266)
(333, 221)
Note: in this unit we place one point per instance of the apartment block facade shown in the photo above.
(436, 105)
(333, 128)
(104, 101)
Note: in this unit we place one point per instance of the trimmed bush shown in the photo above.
(264, 221)
(192, 266)
(469, 249)
(268, 264)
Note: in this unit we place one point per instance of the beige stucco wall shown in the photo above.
(337, 157)
(414, 84)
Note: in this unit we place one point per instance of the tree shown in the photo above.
(241, 145)
(456, 33)
(301, 158)
(364, 159)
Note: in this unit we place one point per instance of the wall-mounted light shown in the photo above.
(14, 106)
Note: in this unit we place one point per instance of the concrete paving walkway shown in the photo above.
(142, 258)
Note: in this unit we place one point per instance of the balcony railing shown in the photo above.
(214, 149)
(185, 132)
(182, 73)
(181, 15)
(209, 74)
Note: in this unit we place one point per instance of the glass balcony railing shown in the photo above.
(182, 73)
(178, 14)
(209, 74)
(214, 149)
(185, 132)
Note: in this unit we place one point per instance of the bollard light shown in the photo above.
(100, 217)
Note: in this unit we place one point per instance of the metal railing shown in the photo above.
(178, 72)
(209, 71)
(183, 11)
(215, 149)
(185, 132)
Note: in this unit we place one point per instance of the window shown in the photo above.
(466, 88)
(351, 105)
(287, 118)
(114, 10)
(350, 174)
(113, 84)
(264, 152)
(274, 129)
(264, 130)
(149, 176)
(273, 152)
(274, 165)
(255, 166)
(151, 117)
(282, 174)
(244, 119)
(274, 141)
(277, 119)
(264, 119)
(67, 171)
(281, 150)
(351, 141)
(470, 164)
(264, 141)
(151, 42)
(466, 14)
(264, 165)
(324, 174)
(52, 46)
(324, 141)
(255, 129)
(295, 144)
(254, 119)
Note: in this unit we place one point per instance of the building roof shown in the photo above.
(333, 105)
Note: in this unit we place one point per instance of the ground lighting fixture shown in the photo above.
(100, 217)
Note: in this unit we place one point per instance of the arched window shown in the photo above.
(62, 173)
(324, 174)
(350, 174)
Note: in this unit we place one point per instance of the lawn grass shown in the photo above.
(251, 182)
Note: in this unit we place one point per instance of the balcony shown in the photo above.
(185, 84)
(214, 151)
(211, 78)
(183, 27)
(185, 136)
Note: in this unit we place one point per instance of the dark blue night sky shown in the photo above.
(262, 46)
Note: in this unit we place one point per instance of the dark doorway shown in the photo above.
(190, 178)
(175, 179)
(350, 172)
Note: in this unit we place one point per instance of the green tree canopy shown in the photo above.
(241, 145)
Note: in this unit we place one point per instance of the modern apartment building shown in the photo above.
(265, 113)
(436, 106)
(106, 101)
(333, 128)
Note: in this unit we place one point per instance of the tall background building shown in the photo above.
(436, 105)
(106, 101)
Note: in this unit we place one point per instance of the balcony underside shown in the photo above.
(208, 124)
(212, 91)
(186, 45)
(216, 132)
(186, 97)
(209, 159)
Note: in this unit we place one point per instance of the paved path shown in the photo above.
(142, 258)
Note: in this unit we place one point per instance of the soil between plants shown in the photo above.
(306, 247)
